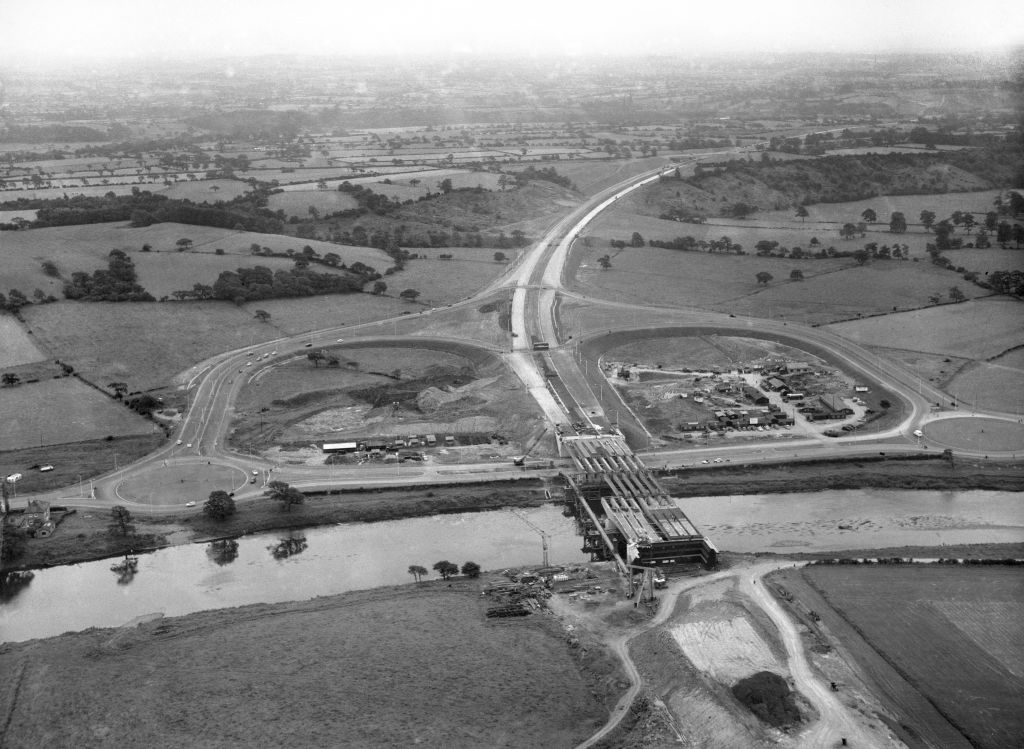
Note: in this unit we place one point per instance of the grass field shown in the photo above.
(593, 175)
(833, 289)
(74, 461)
(953, 633)
(979, 329)
(297, 202)
(977, 434)
(998, 384)
(18, 347)
(144, 345)
(418, 665)
(942, 205)
(985, 261)
(65, 410)
(161, 271)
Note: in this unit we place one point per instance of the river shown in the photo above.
(274, 567)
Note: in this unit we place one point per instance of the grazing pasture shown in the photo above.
(142, 344)
(416, 665)
(62, 410)
(978, 202)
(298, 202)
(18, 347)
(832, 289)
(985, 261)
(85, 248)
(205, 191)
(977, 329)
(952, 632)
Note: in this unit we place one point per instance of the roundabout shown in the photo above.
(180, 482)
(977, 434)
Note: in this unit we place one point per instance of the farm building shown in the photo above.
(774, 383)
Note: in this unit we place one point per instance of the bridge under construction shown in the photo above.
(626, 516)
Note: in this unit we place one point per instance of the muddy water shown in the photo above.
(857, 519)
(335, 559)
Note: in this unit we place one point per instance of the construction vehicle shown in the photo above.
(521, 460)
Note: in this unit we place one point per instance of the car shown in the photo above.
(189, 445)
(252, 480)
(309, 345)
(272, 353)
(705, 461)
(239, 371)
(255, 472)
(248, 364)
(718, 460)
(918, 433)
(340, 340)
(178, 442)
(46, 468)
(190, 504)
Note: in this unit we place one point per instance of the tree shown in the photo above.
(120, 521)
(279, 491)
(801, 213)
(636, 240)
(445, 185)
(446, 569)
(605, 262)
(220, 505)
(50, 269)
(184, 244)
(499, 257)
(956, 295)
(764, 277)
(935, 299)
(869, 215)
(332, 259)
(897, 223)
(119, 388)
(927, 219)
(316, 357)
(1018, 233)
(947, 455)
(796, 275)
(379, 287)
(417, 571)
(471, 569)
(969, 221)
(861, 256)
(885, 404)
(848, 230)
(10, 379)
(262, 315)
(409, 295)
(991, 220)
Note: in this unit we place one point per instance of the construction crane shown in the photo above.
(543, 535)
(529, 448)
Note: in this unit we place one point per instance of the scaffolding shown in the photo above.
(624, 514)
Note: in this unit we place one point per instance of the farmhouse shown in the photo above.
(796, 367)
(36, 519)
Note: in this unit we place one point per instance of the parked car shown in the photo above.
(190, 504)
(46, 468)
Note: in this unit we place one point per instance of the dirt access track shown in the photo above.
(711, 631)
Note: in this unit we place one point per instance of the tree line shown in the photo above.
(259, 282)
(118, 283)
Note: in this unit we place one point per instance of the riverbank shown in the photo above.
(84, 536)
(870, 473)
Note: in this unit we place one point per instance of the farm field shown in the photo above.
(996, 385)
(978, 202)
(977, 329)
(986, 261)
(142, 344)
(85, 248)
(18, 348)
(53, 411)
(406, 666)
(832, 289)
(706, 353)
(204, 191)
(952, 632)
(595, 174)
(298, 202)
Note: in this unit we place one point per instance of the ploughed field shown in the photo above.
(952, 632)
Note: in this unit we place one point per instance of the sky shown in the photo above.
(61, 32)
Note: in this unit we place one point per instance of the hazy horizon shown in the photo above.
(59, 33)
